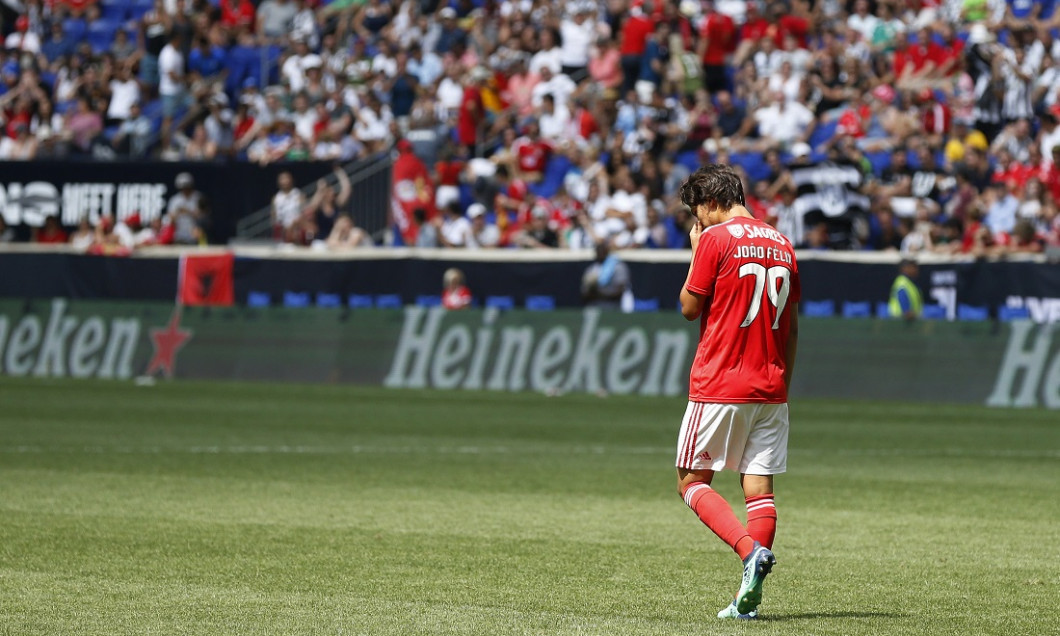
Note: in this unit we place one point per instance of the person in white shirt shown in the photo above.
(862, 21)
(558, 85)
(23, 39)
(293, 69)
(124, 92)
(783, 122)
(455, 229)
(577, 32)
(553, 119)
(549, 54)
(171, 76)
(287, 203)
(483, 233)
(304, 118)
(786, 81)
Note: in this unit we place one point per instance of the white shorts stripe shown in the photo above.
(749, 438)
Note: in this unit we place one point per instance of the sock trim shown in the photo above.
(691, 491)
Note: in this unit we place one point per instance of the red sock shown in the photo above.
(717, 514)
(762, 519)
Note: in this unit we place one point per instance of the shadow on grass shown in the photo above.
(818, 615)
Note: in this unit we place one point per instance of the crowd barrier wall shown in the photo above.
(999, 364)
(270, 274)
(30, 191)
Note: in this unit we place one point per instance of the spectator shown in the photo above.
(905, 301)
(287, 206)
(427, 231)
(344, 235)
(538, 234)
(186, 211)
(454, 230)
(171, 83)
(83, 125)
(455, 294)
(22, 147)
(606, 281)
(83, 237)
(134, 134)
(274, 19)
(325, 205)
(484, 234)
(51, 233)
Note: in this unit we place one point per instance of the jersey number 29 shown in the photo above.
(766, 280)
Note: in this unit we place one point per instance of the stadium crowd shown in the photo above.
(914, 125)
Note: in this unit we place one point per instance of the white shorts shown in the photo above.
(747, 438)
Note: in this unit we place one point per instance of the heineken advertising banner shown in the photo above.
(1014, 364)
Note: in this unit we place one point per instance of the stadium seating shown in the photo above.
(100, 34)
(972, 313)
(329, 300)
(258, 299)
(389, 301)
(500, 302)
(1006, 313)
(646, 304)
(360, 301)
(540, 303)
(933, 312)
(857, 309)
(115, 10)
(818, 308)
(295, 299)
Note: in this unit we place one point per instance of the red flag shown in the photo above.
(206, 279)
(412, 188)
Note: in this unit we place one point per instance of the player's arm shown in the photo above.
(793, 344)
(691, 302)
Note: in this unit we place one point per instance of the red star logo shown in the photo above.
(166, 343)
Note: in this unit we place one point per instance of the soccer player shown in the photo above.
(743, 285)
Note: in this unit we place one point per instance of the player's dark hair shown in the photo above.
(713, 184)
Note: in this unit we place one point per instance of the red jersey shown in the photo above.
(635, 34)
(532, 154)
(456, 298)
(471, 108)
(719, 32)
(747, 271)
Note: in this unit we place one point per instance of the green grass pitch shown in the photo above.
(236, 509)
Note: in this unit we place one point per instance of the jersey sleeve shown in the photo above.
(795, 293)
(705, 269)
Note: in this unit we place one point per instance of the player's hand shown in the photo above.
(693, 234)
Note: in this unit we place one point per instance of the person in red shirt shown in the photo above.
(1052, 175)
(717, 41)
(237, 14)
(411, 188)
(632, 42)
(531, 153)
(455, 294)
(51, 233)
(754, 29)
(472, 111)
(743, 287)
(792, 22)
(935, 117)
